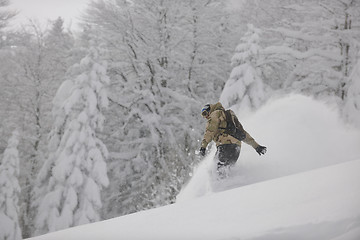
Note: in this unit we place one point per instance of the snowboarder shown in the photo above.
(228, 143)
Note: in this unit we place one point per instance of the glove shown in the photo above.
(260, 150)
(202, 151)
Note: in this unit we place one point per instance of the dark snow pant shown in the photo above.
(226, 155)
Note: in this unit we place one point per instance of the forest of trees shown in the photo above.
(103, 121)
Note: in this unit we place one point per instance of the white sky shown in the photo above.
(44, 10)
(69, 10)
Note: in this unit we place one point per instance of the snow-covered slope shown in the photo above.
(306, 187)
(319, 204)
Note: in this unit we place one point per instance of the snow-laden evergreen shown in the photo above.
(10, 191)
(76, 172)
(57, 132)
(245, 88)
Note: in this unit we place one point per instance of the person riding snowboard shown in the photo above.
(226, 131)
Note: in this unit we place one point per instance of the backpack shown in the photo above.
(233, 126)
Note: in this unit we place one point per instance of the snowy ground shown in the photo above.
(306, 187)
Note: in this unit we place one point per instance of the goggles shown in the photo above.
(205, 114)
(205, 111)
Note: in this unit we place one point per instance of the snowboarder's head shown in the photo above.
(209, 108)
(205, 111)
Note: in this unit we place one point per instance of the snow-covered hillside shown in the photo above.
(319, 204)
(306, 187)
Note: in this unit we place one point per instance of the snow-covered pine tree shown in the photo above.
(78, 170)
(245, 88)
(57, 132)
(352, 103)
(10, 191)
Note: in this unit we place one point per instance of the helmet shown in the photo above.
(205, 111)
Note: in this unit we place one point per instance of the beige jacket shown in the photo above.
(215, 129)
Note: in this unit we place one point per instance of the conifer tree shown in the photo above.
(77, 171)
(245, 88)
(10, 191)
